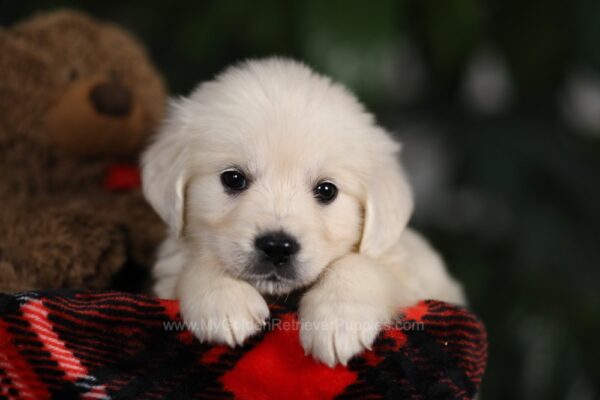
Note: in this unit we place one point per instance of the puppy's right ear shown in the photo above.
(163, 173)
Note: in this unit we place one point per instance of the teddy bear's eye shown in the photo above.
(73, 75)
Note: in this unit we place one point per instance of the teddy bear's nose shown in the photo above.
(111, 99)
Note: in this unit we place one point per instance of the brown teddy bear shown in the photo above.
(78, 99)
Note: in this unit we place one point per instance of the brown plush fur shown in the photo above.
(76, 95)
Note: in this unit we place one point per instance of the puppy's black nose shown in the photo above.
(278, 247)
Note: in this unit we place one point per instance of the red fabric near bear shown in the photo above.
(122, 177)
(113, 345)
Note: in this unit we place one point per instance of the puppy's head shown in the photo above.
(276, 172)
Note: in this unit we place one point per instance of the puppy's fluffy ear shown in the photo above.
(388, 204)
(163, 172)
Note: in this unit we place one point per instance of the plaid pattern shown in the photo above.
(110, 345)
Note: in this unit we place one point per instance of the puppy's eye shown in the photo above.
(234, 181)
(325, 192)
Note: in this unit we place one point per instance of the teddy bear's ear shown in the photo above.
(39, 25)
(23, 69)
(164, 172)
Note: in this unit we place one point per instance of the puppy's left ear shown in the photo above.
(388, 204)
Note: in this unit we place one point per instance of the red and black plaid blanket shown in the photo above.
(105, 345)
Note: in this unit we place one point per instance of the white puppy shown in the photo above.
(272, 178)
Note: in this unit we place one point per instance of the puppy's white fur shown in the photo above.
(287, 128)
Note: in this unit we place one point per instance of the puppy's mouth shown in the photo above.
(272, 277)
(272, 282)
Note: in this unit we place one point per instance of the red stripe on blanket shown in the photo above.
(36, 314)
(18, 369)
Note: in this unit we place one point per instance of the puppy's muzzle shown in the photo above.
(278, 248)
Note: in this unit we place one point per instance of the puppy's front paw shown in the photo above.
(227, 314)
(334, 332)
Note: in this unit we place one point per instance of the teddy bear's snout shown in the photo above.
(112, 99)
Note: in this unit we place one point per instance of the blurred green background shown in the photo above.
(498, 105)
